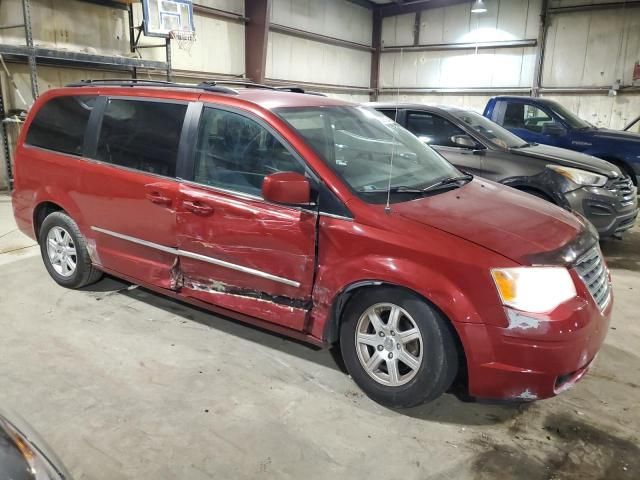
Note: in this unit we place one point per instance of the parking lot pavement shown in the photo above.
(126, 384)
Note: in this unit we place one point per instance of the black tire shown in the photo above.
(85, 273)
(439, 365)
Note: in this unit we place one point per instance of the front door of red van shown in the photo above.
(237, 250)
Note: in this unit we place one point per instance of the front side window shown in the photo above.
(433, 129)
(143, 135)
(368, 150)
(235, 153)
(523, 115)
(61, 123)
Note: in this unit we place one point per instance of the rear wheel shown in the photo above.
(64, 252)
(397, 348)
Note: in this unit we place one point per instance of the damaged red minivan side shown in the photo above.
(318, 219)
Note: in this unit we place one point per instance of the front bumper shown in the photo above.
(536, 356)
(608, 209)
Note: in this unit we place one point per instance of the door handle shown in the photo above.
(157, 197)
(197, 207)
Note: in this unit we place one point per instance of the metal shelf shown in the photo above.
(80, 58)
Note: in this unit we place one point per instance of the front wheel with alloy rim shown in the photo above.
(397, 347)
(64, 252)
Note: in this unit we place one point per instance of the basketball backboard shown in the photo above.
(161, 17)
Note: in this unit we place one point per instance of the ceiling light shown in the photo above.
(478, 7)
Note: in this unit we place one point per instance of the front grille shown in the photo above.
(623, 188)
(594, 274)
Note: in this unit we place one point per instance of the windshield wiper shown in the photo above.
(524, 145)
(451, 182)
(398, 189)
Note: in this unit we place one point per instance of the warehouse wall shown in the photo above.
(470, 68)
(218, 50)
(83, 27)
(307, 60)
(583, 49)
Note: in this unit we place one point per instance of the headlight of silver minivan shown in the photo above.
(24, 455)
(580, 177)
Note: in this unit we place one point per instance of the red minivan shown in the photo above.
(321, 220)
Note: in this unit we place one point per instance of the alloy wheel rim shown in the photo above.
(389, 344)
(62, 251)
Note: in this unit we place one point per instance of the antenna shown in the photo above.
(387, 207)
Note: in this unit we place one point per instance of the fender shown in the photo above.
(336, 284)
(545, 182)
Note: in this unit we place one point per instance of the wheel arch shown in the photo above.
(525, 184)
(40, 212)
(341, 300)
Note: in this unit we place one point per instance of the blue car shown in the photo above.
(539, 120)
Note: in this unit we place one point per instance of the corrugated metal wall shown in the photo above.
(218, 50)
(469, 68)
(306, 60)
(583, 49)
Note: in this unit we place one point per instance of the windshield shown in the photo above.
(491, 131)
(358, 144)
(569, 117)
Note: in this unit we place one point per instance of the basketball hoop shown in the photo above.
(184, 39)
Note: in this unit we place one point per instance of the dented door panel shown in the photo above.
(246, 254)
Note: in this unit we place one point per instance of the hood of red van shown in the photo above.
(511, 223)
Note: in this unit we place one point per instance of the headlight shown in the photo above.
(580, 177)
(534, 289)
(24, 455)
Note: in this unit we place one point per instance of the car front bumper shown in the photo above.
(611, 212)
(536, 356)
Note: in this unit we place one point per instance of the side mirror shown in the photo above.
(464, 141)
(554, 129)
(289, 188)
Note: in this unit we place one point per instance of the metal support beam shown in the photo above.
(169, 66)
(256, 34)
(216, 12)
(416, 28)
(318, 37)
(68, 58)
(463, 46)
(376, 43)
(595, 6)
(132, 33)
(542, 40)
(28, 33)
(5, 143)
(416, 6)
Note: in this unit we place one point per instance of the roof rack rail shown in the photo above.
(133, 82)
(285, 88)
(296, 89)
(238, 83)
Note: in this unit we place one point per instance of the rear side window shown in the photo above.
(143, 135)
(60, 124)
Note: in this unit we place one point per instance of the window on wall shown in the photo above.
(143, 135)
(522, 115)
(61, 123)
(236, 153)
(433, 129)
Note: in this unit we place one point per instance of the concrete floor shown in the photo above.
(125, 384)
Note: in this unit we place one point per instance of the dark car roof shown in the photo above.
(417, 106)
